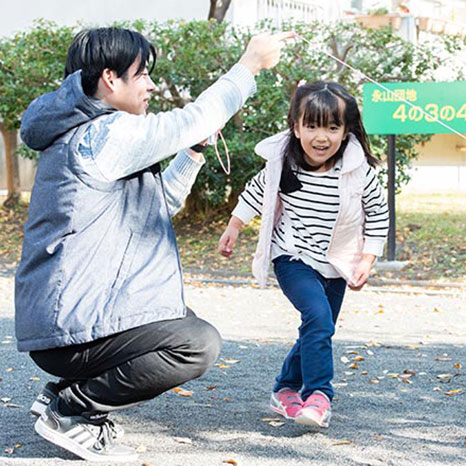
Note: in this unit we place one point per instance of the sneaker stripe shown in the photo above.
(81, 437)
(88, 443)
(75, 432)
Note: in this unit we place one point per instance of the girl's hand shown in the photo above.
(229, 237)
(362, 272)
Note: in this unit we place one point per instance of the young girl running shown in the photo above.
(324, 221)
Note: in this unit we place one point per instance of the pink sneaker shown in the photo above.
(286, 402)
(316, 411)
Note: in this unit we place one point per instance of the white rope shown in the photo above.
(429, 116)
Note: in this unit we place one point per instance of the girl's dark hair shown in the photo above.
(318, 103)
(94, 50)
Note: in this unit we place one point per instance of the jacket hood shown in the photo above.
(52, 115)
(272, 148)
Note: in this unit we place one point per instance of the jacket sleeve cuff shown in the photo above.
(243, 79)
(185, 167)
(244, 212)
(373, 246)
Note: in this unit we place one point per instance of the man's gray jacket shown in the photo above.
(99, 255)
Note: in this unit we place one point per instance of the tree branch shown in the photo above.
(218, 9)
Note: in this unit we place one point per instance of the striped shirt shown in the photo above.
(309, 214)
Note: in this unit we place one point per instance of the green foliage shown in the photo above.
(378, 11)
(31, 64)
(192, 55)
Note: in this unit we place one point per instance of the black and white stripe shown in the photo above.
(309, 214)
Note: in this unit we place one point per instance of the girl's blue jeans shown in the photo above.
(309, 364)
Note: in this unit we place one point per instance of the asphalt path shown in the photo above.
(399, 380)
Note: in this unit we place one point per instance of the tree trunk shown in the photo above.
(10, 139)
(218, 9)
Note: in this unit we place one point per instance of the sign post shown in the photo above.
(411, 108)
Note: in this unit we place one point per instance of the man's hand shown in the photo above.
(228, 239)
(362, 272)
(263, 51)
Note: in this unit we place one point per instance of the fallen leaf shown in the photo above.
(10, 369)
(352, 352)
(342, 442)
(9, 450)
(455, 392)
(271, 419)
(414, 347)
(211, 387)
(359, 358)
(349, 373)
(457, 365)
(444, 376)
(374, 381)
(344, 360)
(372, 343)
(438, 358)
(232, 361)
(370, 353)
(364, 373)
(182, 392)
(5, 400)
(227, 399)
(276, 423)
(230, 462)
(353, 366)
(12, 405)
(222, 366)
(34, 379)
(183, 440)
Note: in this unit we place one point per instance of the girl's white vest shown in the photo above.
(347, 243)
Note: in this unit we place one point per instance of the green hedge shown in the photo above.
(192, 55)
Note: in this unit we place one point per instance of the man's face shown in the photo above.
(132, 93)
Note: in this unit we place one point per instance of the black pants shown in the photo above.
(132, 366)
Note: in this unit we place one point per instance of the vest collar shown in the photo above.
(272, 148)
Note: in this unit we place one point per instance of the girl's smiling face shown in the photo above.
(321, 138)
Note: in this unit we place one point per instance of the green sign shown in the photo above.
(387, 112)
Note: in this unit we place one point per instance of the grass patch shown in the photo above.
(431, 236)
(11, 231)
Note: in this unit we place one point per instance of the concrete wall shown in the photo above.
(441, 165)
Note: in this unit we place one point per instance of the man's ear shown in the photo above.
(108, 78)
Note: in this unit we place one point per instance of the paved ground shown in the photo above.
(402, 403)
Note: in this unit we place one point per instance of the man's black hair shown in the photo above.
(94, 50)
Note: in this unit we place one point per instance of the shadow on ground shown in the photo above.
(386, 422)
